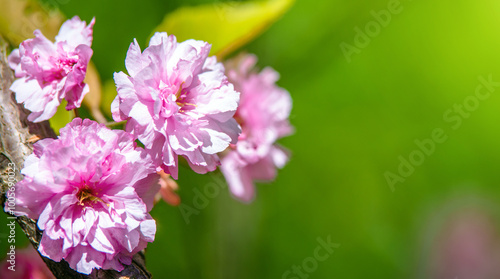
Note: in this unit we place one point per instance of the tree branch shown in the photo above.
(15, 134)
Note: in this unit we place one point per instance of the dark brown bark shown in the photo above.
(16, 133)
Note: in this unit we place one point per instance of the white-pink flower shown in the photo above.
(91, 190)
(49, 72)
(177, 101)
(263, 115)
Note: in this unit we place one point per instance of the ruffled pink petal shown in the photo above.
(238, 179)
(76, 32)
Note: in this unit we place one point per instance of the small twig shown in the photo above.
(75, 111)
(98, 116)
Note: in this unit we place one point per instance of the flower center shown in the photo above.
(181, 101)
(61, 68)
(173, 103)
(66, 65)
(87, 197)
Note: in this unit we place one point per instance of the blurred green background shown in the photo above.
(354, 117)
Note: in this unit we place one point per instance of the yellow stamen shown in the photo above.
(85, 194)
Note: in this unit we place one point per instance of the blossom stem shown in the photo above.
(75, 110)
(97, 114)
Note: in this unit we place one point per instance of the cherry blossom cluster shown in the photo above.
(92, 188)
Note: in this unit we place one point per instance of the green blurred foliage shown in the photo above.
(226, 25)
(353, 120)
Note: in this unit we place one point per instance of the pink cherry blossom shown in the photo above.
(91, 190)
(177, 101)
(263, 115)
(50, 72)
(26, 264)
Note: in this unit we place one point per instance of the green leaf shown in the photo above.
(226, 25)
